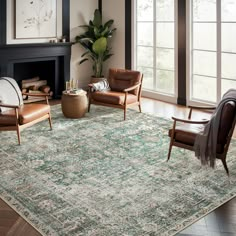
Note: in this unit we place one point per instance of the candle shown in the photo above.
(67, 85)
(77, 84)
(71, 84)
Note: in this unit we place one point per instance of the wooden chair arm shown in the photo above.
(9, 106)
(37, 94)
(199, 108)
(132, 87)
(90, 87)
(90, 90)
(190, 121)
(45, 95)
(202, 107)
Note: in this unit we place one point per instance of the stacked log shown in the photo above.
(35, 86)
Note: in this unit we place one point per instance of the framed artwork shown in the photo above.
(35, 19)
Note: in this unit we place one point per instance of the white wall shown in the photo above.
(81, 12)
(115, 9)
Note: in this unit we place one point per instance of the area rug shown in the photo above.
(102, 176)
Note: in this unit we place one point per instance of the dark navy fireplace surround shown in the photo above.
(50, 61)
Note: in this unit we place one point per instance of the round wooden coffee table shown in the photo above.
(74, 105)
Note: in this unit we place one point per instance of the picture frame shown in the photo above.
(35, 19)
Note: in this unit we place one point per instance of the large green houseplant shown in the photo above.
(95, 42)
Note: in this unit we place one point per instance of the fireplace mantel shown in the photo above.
(35, 48)
(19, 53)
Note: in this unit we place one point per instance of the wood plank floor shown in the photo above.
(221, 222)
(11, 224)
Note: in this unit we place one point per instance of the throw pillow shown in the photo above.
(102, 85)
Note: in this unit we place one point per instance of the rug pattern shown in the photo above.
(101, 176)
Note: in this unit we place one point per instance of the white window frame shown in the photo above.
(150, 93)
(189, 55)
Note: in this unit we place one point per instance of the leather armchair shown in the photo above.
(183, 135)
(17, 117)
(126, 86)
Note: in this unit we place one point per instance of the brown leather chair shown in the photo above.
(125, 90)
(184, 135)
(17, 117)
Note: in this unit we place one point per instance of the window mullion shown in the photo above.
(175, 48)
(191, 51)
(154, 46)
(135, 34)
(218, 15)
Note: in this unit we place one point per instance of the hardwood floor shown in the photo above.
(221, 222)
(11, 224)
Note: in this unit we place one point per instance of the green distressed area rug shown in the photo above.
(102, 176)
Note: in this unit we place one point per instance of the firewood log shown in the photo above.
(32, 87)
(50, 93)
(30, 80)
(35, 92)
(36, 84)
(44, 88)
(40, 92)
(24, 96)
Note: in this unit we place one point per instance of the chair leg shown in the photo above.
(89, 106)
(171, 140)
(170, 148)
(225, 165)
(50, 121)
(140, 109)
(18, 134)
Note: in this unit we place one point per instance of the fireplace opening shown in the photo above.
(45, 70)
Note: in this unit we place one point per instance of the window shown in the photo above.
(154, 51)
(213, 49)
(228, 45)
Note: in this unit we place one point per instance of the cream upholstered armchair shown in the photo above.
(125, 90)
(14, 114)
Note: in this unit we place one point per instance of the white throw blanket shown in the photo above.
(206, 142)
(10, 93)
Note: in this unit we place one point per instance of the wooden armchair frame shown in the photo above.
(122, 106)
(173, 142)
(18, 127)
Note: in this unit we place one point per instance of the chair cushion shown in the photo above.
(27, 113)
(120, 79)
(186, 134)
(112, 97)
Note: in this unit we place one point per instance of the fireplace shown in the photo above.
(43, 68)
(49, 61)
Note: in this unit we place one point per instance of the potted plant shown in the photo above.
(95, 42)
